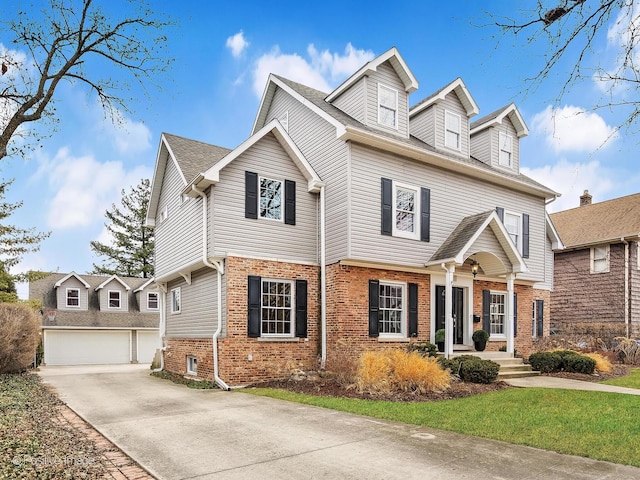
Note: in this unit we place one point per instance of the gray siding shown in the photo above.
(422, 126)
(548, 266)
(452, 104)
(237, 235)
(505, 127)
(61, 295)
(387, 76)
(142, 300)
(481, 145)
(103, 297)
(316, 138)
(453, 197)
(199, 306)
(178, 238)
(488, 242)
(353, 102)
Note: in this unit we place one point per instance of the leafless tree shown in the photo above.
(76, 41)
(573, 30)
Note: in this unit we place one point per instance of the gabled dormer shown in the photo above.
(148, 297)
(495, 138)
(442, 119)
(113, 295)
(72, 293)
(378, 94)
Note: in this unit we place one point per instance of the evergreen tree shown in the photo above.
(131, 252)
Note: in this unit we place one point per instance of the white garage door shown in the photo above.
(147, 344)
(82, 347)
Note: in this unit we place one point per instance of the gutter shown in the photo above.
(162, 327)
(219, 268)
(323, 279)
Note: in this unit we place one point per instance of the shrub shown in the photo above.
(440, 335)
(426, 349)
(19, 335)
(545, 362)
(602, 363)
(399, 370)
(628, 350)
(471, 368)
(480, 336)
(579, 364)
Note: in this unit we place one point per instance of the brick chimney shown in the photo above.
(585, 198)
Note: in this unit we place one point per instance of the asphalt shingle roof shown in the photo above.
(194, 157)
(460, 236)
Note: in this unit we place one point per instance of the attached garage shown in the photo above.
(148, 342)
(86, 347)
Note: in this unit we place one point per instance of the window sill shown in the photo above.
(382, 339)
(498, 338)
(279, 339)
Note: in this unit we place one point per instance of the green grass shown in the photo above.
(598, 425)
(630, 381)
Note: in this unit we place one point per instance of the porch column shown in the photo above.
(509, 327)
(448, 309)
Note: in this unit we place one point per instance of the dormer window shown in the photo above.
(114, 299)
(506, 149)
(73, 297)
(387, 106)
(452, 125)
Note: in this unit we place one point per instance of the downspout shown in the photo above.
(219, 268)
(162, 327)
(323, 281)
(626, 286)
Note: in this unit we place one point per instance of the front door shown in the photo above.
(457, 297)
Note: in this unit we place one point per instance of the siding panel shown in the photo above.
(387, 76)
(422, 126)
(352, 101)
(83, 294)
(451, 104)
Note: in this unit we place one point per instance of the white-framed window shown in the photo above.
(176, 301)
(152, 301)
(513, 224)
(73, 297)
(164, 214)
(506, 149)
(271, 199)
(498, 313)
(391, 309)
(277, 310)
(452, 130)
(192, 365)
(406, 211)
(114, 298)
(600, 259)
(387, 106)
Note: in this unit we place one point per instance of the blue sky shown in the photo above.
(223, 53)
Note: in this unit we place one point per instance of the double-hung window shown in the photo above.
(277, 307)
(270, 199)
(406, 211)
(152, 300)
(387, 106)
(114, 299)
(73, 297)
(506, 149)
(600, 259)
(513, 222)
(176, 303)
(497, 311)
(391, 313)
(452, 125)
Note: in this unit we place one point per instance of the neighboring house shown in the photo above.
(91, 319)
(597, 274)
(348, 221)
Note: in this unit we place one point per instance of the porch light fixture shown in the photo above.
(474, 267)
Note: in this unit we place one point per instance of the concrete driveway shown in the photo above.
(179, 433)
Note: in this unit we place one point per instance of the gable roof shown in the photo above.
(67, 277)
(601, 222)
(190, 158)
(459, 88)
(212, 175)
(496, 117)
(455, 249)
(117, 279)
(397, 62)
(144, 285)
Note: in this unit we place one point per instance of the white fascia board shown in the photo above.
(265, 102)
(552, 233)
(113, 277)
(470, 105)
(164, 149)
(67, 277)
(144, 285)
(513, 113)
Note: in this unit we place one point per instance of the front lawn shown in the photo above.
(630, 381)
(597, 425)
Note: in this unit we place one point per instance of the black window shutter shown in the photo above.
(500, 212)
(515, 314)
(525, 235)
(374, 305)
(425, 214)
(540, 317)
(413, 309)
(250, 195)
(301, 308)
(486, 311)
(289, 202)
(254, 300)
(387, 207)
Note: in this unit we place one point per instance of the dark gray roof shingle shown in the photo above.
(194, 157)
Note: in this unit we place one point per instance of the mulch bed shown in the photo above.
(618, 370)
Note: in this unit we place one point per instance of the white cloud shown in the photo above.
(128, 136)
(572, 128)
(85, 188)
(237, 44)
(321, 70)
(571, 180)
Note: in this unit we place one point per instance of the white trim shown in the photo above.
(404, 328)
(144, 285)
(66, 297)
(292, 309)
(67, 277)
(461, 91)
(500, 337)
(517, 244)
(607, 258)
(459, 281)
(393, 91)
(172, 301)
(459, 132)
(113, 277)
(282, 199)
(109, 292)
(157, 294)
(415, 235)
(507, 138)
(74, 327)
(514, 115)
(192, 362)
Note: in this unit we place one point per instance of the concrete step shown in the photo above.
(517, 374)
